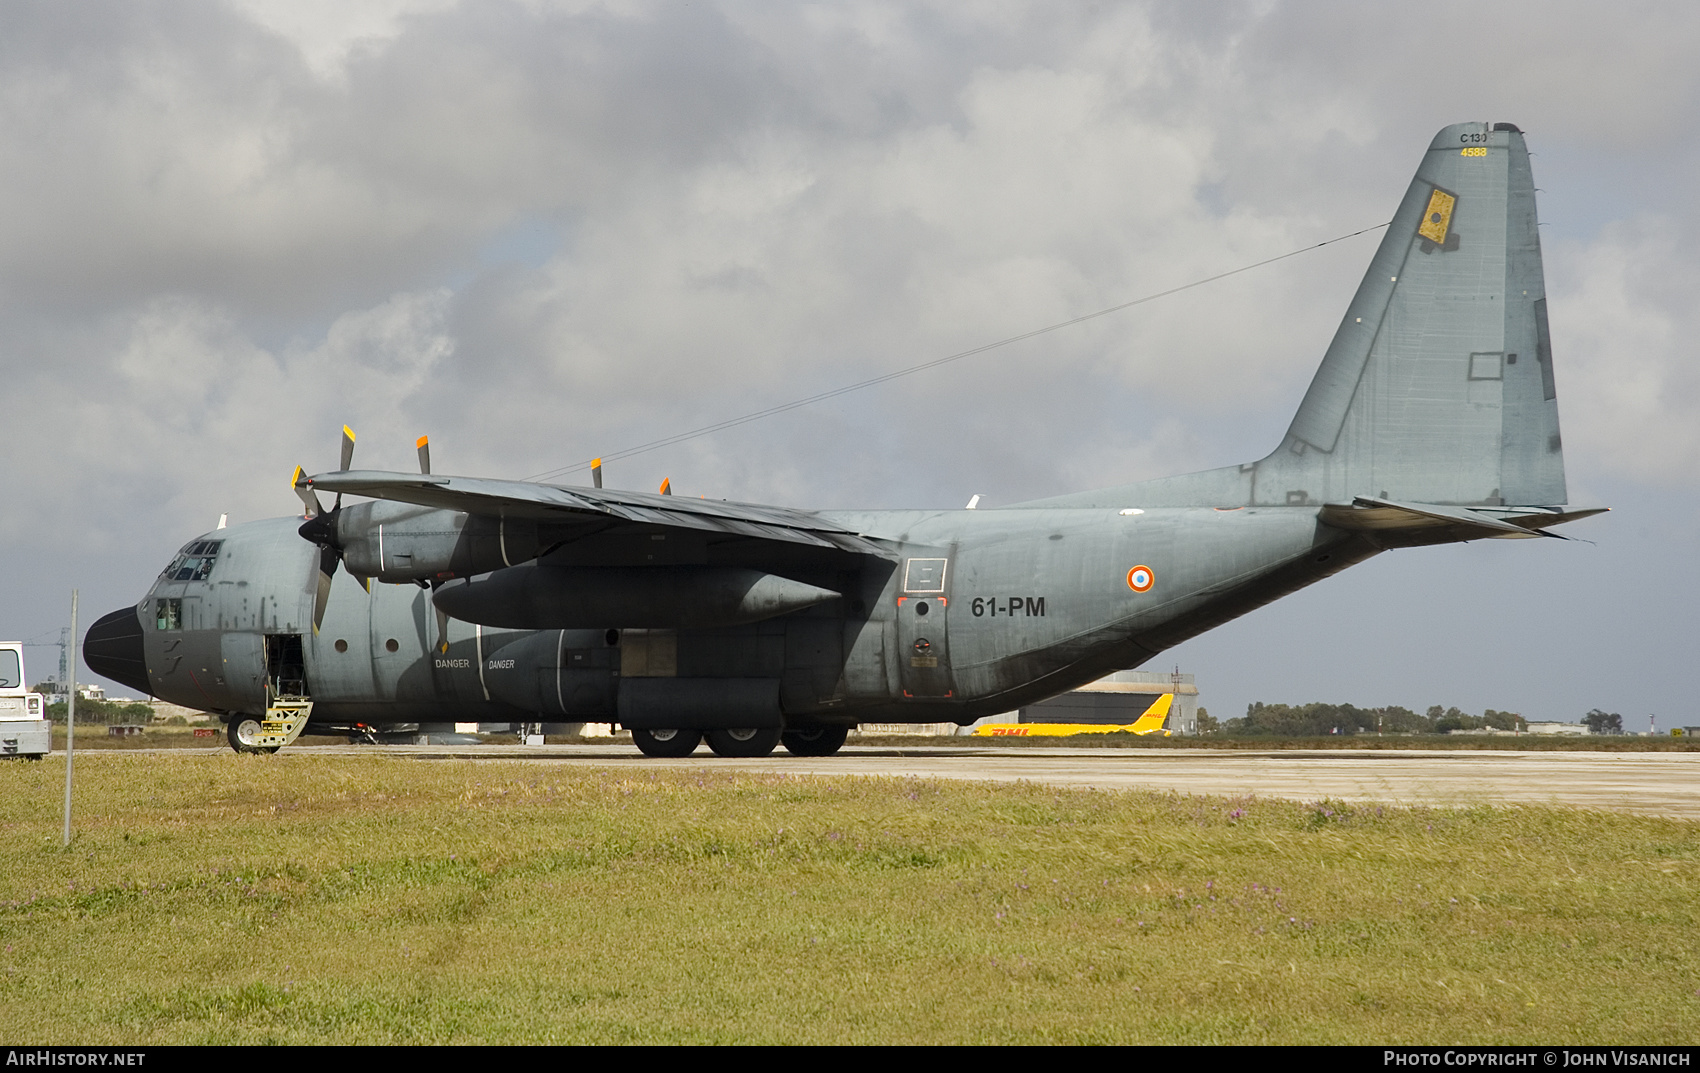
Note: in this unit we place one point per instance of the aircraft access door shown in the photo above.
(923, 642)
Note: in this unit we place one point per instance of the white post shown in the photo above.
(70, 715)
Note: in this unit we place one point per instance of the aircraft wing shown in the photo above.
(557, 504)
(1371, 513)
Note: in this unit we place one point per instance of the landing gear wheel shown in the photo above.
(243, 731)
(669, 744)
(815, 741)
(743, 741)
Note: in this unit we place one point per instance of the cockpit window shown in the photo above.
(11, 672)
(168, 614)
(195, 563)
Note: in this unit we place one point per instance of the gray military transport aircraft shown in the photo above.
(1431, 420)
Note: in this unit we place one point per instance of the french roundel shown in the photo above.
(1140, 579)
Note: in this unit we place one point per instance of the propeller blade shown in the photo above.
(309, 498)
(442, 630)
(596, 472)
(425, 455)
(666, 486)
(347, 447)
(328, 558)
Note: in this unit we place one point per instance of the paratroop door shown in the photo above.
(923, 643)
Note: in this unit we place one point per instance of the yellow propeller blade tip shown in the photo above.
(423, 440)
(346, 431)
(295, 478)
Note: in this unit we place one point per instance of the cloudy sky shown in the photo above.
(542, 231)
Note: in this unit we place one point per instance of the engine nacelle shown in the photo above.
(399, 542)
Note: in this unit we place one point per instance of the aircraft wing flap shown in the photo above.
(1372, 513)
(553, 503)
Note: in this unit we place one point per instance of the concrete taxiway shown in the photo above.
(1658, 784)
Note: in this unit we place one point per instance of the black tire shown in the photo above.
(815, 741)
(742, 741)
(242, 732)
(666, 744)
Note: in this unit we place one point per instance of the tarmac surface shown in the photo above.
(1656, 784)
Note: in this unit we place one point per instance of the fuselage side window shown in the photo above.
(168, 614)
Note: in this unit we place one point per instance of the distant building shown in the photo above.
(164, 710)
(1558, 728)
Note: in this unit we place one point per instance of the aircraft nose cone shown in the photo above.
(113, 649)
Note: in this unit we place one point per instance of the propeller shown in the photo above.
(320, 528)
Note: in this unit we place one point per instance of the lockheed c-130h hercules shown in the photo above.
(1432, 419)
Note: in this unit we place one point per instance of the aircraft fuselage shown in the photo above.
(974, 613)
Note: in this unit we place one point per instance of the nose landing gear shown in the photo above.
(284, 721)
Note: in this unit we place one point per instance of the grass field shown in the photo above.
(316, 899)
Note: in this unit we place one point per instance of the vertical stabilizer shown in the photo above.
(1438, 386)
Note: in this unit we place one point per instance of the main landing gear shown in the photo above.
(666, 744)
(814, 741)
(741, 741)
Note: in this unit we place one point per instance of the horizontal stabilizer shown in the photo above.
(1372, 513)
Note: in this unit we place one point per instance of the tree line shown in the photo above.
(1315, 720)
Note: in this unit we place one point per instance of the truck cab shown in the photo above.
(24, 730)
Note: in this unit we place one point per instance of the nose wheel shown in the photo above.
(286, 718)
(243, 733)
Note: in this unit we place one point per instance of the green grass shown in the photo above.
(314, 899)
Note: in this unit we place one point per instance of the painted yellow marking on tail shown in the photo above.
(1437, 218)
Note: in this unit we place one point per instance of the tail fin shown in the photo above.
(1152, 720)
(1438, 386)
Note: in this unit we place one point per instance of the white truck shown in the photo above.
(23, 729)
